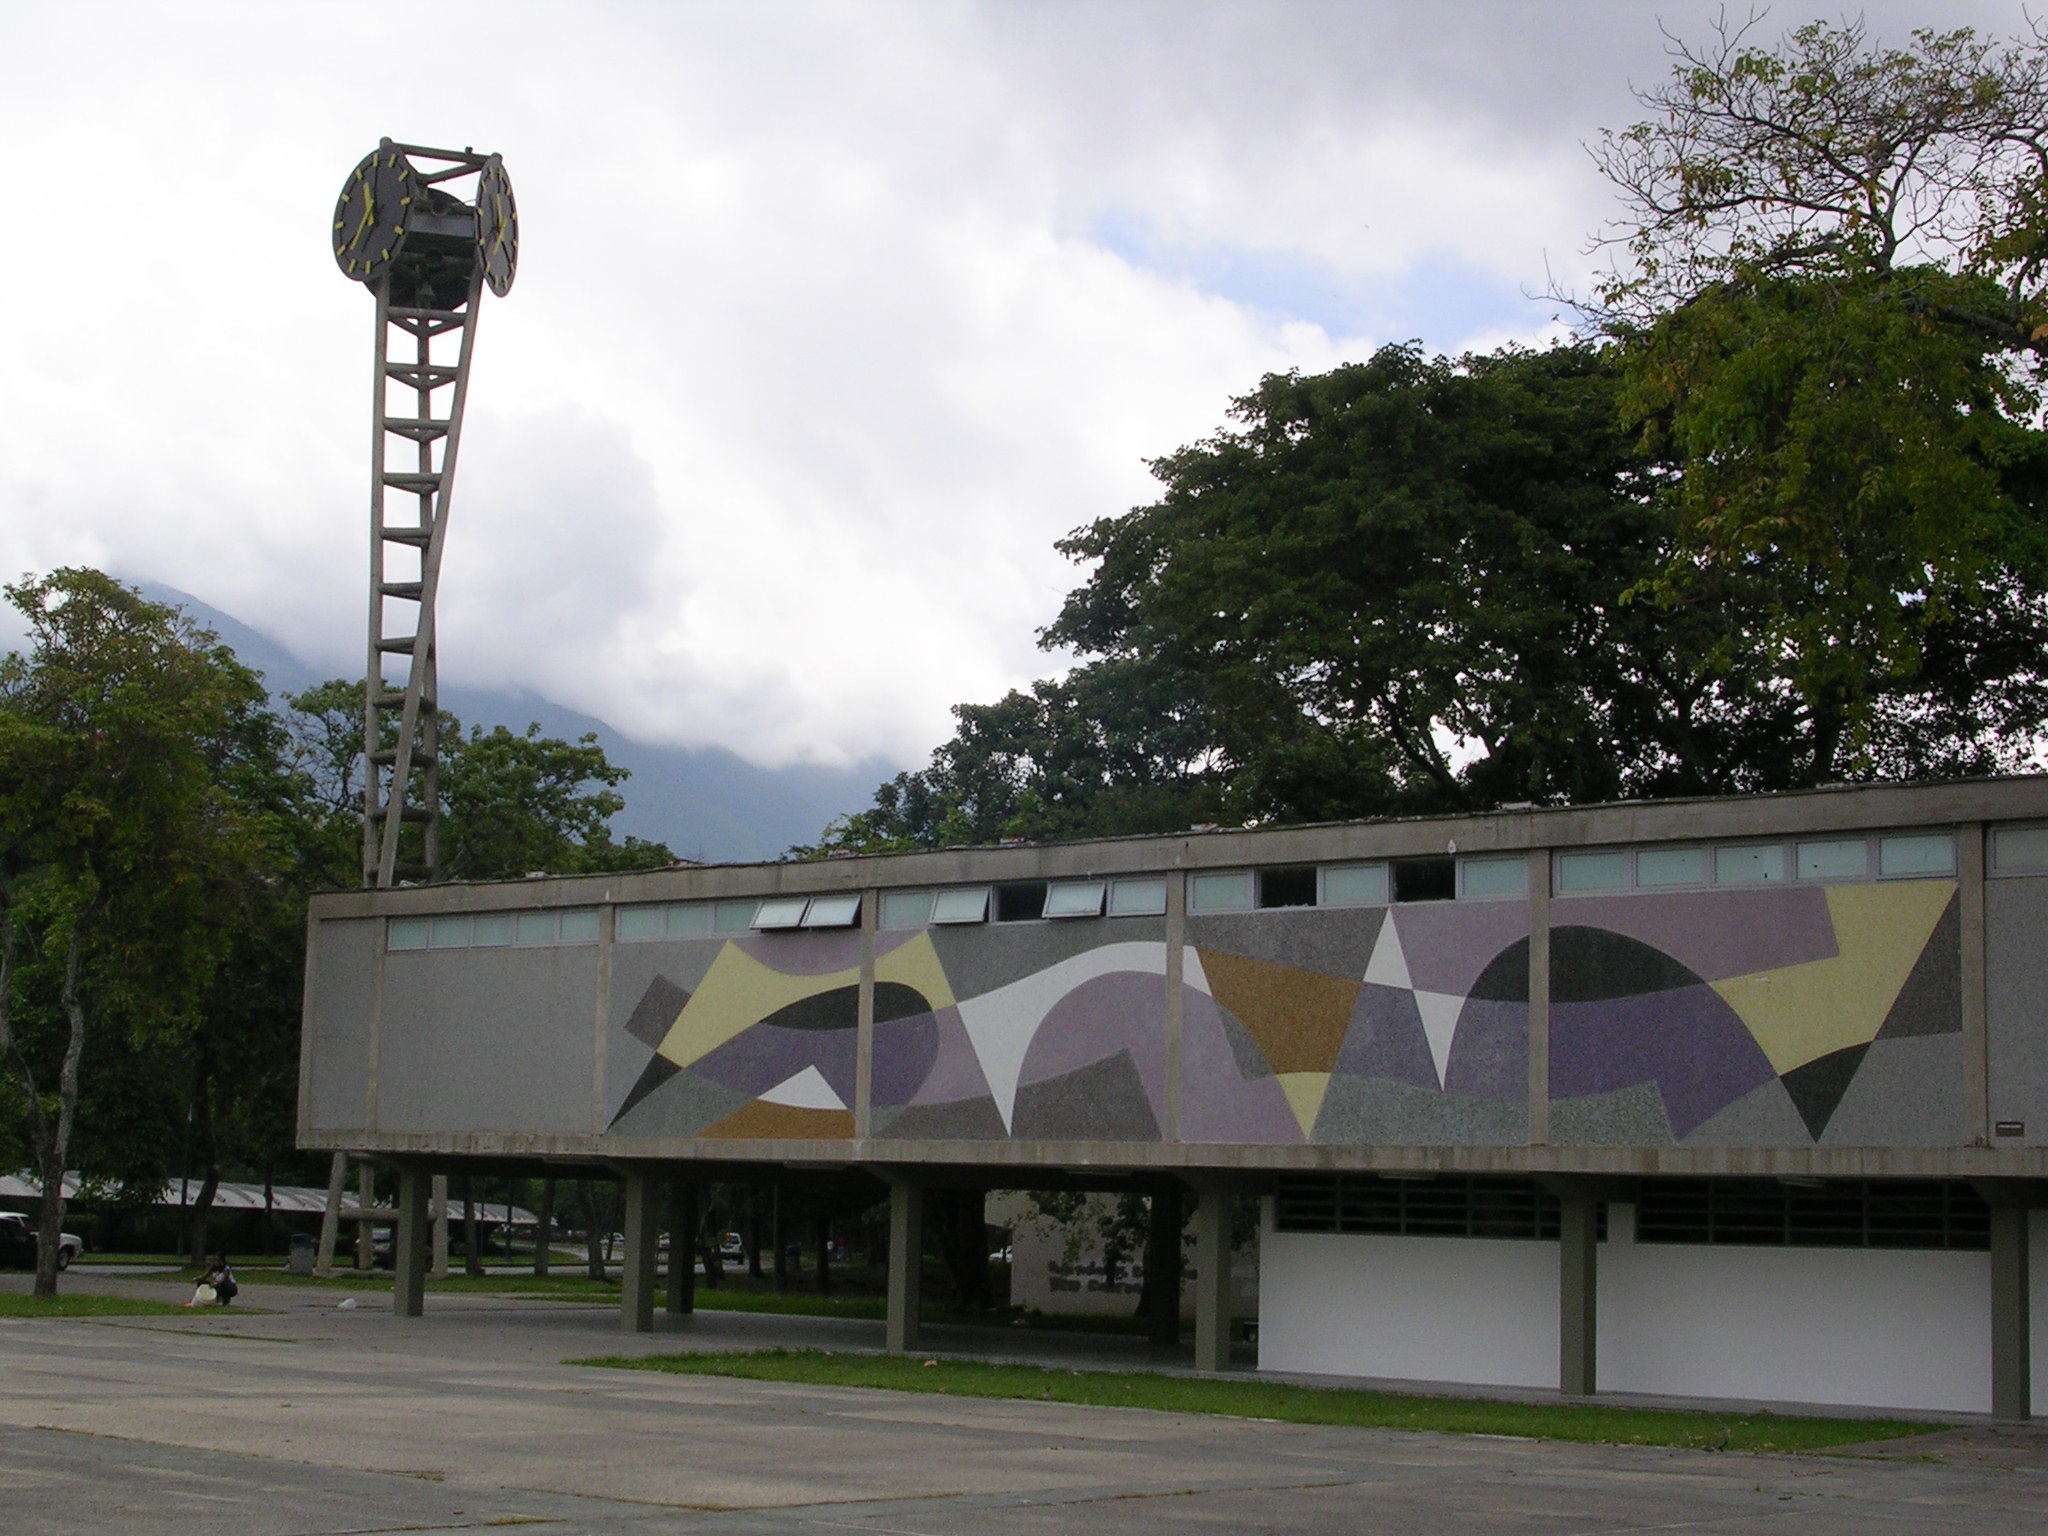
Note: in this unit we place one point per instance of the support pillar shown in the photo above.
(1212, 1281)
(330, 1224)
(410, 1244)
(643, 1223)
(1578, 1285)
(366, 1230)
(2011, 1336)
(906, 1265)
(440, 1226)
(544, 1229)
(682, 1247)
(1162, 1265)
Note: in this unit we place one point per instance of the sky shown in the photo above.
(830, 319)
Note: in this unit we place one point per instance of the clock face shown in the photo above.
(497, 227)
(370, 216)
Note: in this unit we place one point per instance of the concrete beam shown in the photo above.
(1578, 1286)
(906, 1265)
(411, 1245)
(1212, 1280)
(643, 1223)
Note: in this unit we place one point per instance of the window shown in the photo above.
(1287, 887)
(1842, 858)
(1355, 885)
(733, 916)
(1483, 879)
(1671, 866)
(1227, 892)
(836, 911)
(776, 912)
(449, 933)
(1144, 896)
(1603, 871)
(691, 920)
(1425, 879)
(1850, 1213)
(2014, 849)
(1448, 1205)
(1917, 853)
(1075, 898)
(489, 930)
(639, 922)
(1749, 864)
(407, 933)
(965, 904)
(1022, 901)
(906, 909)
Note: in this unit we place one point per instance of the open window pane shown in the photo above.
(1075, 898)
(840, 911)
(1142, 897)
(1606, 870)
(1355, 885)
(963, 904)
(1230, 891)
(906, 909)
(407, 933)
(1671, 866)
(1483, 878)
(781, 912)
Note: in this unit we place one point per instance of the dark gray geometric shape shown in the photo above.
(1374, 1111)
(1931, 1001)
(1907, 1093)
(1102, 1102)
(1764, 1117)
(1818, 1086)
(1244, 1050)
(656, 1011)
(681, 1106)
(961, 1120)
(1629, 1117)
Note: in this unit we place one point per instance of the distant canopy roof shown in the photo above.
(291, 1198)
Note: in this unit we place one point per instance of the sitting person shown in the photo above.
(222, 1279)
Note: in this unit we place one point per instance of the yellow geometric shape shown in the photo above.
(1802, 1012)
(1305, 1092)
(916, 965)
(1298, 1018)
(735, 995)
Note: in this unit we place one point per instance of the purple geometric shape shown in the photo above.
(1217, 1102)
(1688, 1042)
(1385, 1038)
(1124, 1010)
(905, 1050)
(1448, 943)
(756, 1059)
(1489, 1051)
(955, 1071)
(1716, 934)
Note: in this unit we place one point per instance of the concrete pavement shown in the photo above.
(308, 1419)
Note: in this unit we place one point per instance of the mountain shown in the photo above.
(705, 802)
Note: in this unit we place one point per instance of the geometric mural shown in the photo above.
(1775, 1016)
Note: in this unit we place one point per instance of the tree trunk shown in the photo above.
(472, 1252)
(781, 1248)
(56, 1150)
(209, 1156)
(824, 1256)
(593, 1255)
(960, 1223)
(544, 1229)
(754, 1232)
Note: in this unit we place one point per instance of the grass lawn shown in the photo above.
(1239, 1398)
(17, 1304)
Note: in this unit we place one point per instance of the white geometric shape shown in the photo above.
(1439, 1012)
(807, 1090)
(1388, 966)
(1002, 1024)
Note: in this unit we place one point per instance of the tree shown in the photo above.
(1833, 310)
(117, 840)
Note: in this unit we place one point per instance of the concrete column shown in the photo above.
(643, 1223)
(906, 1265)
(1578, 1285)
(2011, 1337)
(682, 1246)
(1212, 1281)
(544, 1229)
(410, 1243)
(440, 1226)
(330, 1224)
(366, 1231)
(1162, 1265)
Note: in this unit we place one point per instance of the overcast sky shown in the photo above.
(829, 318)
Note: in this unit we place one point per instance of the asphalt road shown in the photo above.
(309, 1419)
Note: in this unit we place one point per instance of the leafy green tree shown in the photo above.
(119, 842)
(1833, 306)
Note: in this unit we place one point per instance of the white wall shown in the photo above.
(1875, 1328)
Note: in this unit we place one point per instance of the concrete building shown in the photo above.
(1742, 1097)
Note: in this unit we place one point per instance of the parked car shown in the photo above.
(730, 1246)
(18, 1243)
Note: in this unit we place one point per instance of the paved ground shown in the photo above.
(309, 1419)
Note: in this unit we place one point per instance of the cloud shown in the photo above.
(830, 318)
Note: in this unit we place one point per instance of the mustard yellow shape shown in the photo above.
(739, 991)
(1803, 1012)
(736, 994)
(1305, 1092)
